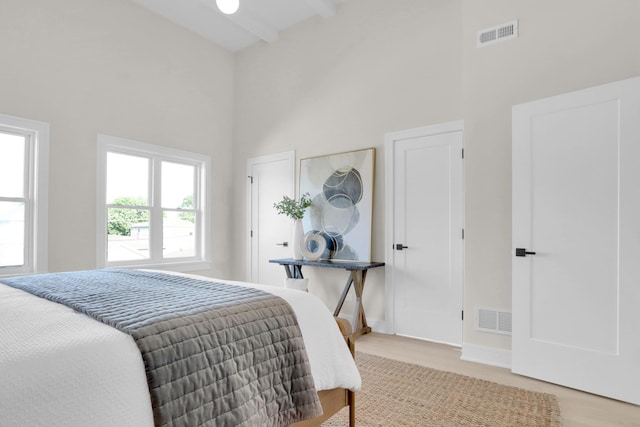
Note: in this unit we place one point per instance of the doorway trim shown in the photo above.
(289, 156)
(390, 139)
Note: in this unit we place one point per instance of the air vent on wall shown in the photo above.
(497, 34)
(498, 322)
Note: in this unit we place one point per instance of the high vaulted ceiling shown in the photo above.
(255, 20)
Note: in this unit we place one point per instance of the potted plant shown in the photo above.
(295, 209)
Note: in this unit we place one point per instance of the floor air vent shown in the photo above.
(497, 34)
(498, 322)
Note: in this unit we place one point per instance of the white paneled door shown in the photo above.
(426, 220)
(269, 234)
(576, 240)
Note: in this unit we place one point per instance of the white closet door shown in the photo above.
(269, 178)
(576, 204)
(426, 220)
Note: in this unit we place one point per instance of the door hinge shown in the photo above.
(463, 234)
(462, 314)
(251, 233)
(463, 153)
(250, 178)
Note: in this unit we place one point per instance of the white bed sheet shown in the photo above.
(62, 368)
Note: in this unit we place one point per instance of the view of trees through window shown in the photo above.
(130, 225)
(121, 220)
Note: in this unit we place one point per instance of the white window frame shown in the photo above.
(156, 154)
(36, 197)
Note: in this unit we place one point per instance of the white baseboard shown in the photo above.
(376, 325)
(486, 355)
(470, 352)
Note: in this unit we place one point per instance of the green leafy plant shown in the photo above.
(121, 219)
(187, 203)
(292, 208)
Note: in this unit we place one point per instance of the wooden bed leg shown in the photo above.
(347, 333)
(352, 408)
(346, 330)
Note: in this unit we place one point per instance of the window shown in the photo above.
(24, 162)
(152, 209)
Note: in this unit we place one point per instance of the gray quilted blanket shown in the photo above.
(215, 354)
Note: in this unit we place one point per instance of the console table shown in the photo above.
(357, 275)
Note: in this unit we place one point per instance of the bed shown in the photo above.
(59, 367)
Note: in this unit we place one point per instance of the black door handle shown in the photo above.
(285, 244)
(400, 246)
(523, 252)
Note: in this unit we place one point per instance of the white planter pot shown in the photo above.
(296, 240)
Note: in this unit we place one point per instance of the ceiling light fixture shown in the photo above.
(228, 7)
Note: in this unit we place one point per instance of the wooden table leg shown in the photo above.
(357, 279)
(343, 296)
(360, 326)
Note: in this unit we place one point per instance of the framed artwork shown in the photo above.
(341, 189)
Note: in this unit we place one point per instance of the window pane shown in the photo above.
(178, 234)
(127, 234)
(127, 180)
(177, 185)
(12, 152)
(11, 234)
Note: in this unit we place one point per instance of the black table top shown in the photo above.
(346, 265)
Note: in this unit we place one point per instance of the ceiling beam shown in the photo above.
(324, 8)
(246, 19)
(248, 22)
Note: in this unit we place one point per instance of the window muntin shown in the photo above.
(24, 152)
(155, 210)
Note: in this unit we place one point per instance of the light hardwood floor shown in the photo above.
(577, 408)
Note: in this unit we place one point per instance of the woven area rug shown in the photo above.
(402, 394)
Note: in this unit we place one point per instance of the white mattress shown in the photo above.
(61, 368)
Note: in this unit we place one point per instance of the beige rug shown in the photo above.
(401, 394)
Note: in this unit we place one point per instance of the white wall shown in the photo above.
(97, 66)
(563, 46)
(90, 66)
(335, 85)
(340, 84)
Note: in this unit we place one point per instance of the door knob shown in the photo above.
(523, 252)
(285, 244)
(400, 246)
